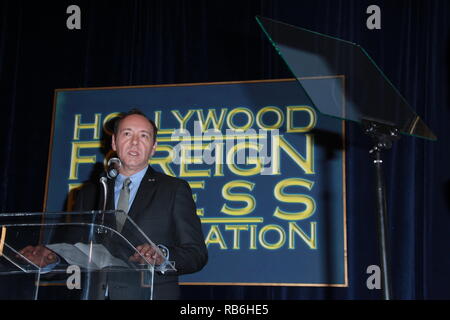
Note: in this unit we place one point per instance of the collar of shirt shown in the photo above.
(134, 185)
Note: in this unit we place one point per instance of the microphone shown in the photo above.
(114, 165)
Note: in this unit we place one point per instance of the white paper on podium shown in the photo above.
(89, 256)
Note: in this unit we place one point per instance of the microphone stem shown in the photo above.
(105, 196)
(105, 191)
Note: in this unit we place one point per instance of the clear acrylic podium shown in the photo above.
(93, 257)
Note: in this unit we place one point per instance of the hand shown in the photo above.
(39, 255)
(150, 253)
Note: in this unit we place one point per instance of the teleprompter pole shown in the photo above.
(383, 137)
(382, 224)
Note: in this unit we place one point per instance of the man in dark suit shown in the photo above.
(162, 206)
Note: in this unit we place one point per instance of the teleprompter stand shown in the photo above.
(383, 136)
(344, 69)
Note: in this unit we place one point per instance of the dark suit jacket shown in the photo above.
(165, 211)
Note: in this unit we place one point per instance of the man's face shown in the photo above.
(134, 143)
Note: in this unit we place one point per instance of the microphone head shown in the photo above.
(115, 161)
(112, 173)
(114, 165)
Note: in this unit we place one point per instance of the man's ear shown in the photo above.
(113, 142)
(154, 149)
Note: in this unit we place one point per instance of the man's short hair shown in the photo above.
(133, 111)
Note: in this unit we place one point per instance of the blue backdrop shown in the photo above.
(282, 206)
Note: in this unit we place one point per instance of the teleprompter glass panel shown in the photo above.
(370, 96)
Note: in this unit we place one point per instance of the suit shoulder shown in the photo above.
(88, 187)
(169, 179)
(85, 197)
